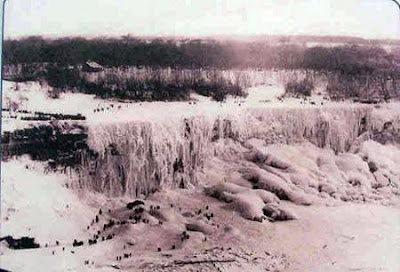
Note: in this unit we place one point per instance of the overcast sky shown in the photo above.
(363, 18)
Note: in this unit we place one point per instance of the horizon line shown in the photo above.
(198, 36)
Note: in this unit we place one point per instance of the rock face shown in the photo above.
(140, 157)
(62, 146)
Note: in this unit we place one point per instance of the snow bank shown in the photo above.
(39, 206)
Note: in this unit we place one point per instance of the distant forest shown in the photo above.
(128, 51)
(363, 64)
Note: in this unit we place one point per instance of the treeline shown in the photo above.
(131, 83)
(128, 51)
(117, 52)
(354, 71)
(146, 84)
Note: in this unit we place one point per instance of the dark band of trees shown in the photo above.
(354, 70)
(195, 54)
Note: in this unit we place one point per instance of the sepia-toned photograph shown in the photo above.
(200, 136)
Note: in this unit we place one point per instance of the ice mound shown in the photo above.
(347, 176)
(305, 175)
(249, 203)
(277, 213)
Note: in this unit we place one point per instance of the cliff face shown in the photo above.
(138, 157)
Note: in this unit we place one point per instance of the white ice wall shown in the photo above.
(148, 150)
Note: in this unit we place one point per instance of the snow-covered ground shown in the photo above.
(39, 205)
(345, 205)
(32, 96)
(335, 237)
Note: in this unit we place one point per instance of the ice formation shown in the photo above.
(141, 147)
(139, 157)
